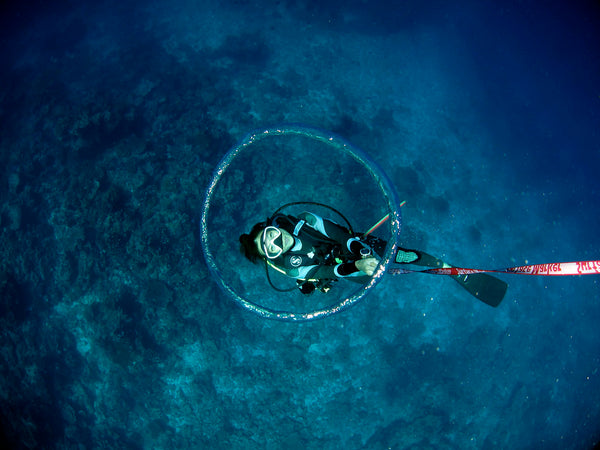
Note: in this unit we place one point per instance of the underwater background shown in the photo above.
(113, 115)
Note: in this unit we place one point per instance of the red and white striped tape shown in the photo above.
(553, 269)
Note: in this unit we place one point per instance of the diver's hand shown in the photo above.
(367, 265)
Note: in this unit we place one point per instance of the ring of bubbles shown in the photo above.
(234, 191)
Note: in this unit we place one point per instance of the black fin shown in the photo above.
(486, 288)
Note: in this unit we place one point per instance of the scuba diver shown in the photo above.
(313, 250)
(317, 252)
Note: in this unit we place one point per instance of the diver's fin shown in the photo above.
(486, 288)
(490, 290)
(404, 256)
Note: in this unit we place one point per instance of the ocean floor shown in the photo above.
(113, 331)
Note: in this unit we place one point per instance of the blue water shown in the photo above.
(485, 115)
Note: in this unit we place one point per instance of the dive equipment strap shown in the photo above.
(488, 288)
(552, 269)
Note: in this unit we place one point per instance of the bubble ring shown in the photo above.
(338, 143)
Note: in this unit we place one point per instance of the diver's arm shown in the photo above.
(358, 268)
(316, 272)
(336, 232)
(342, 270)
(325, 226)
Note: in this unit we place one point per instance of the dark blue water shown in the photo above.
(486, 116)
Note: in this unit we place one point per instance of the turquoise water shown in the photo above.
(113, 116)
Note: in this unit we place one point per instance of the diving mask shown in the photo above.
(272, 242)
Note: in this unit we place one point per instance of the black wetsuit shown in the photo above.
(322, 249)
